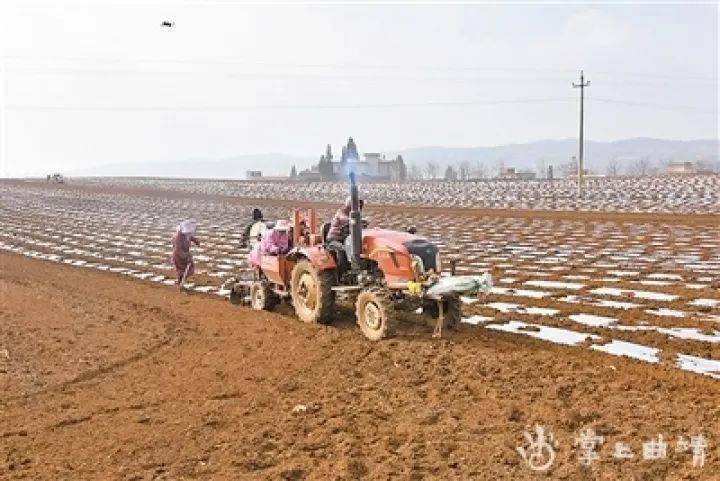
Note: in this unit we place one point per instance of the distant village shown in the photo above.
(375, 166)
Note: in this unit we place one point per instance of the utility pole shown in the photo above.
(3, 119)
(582, 86)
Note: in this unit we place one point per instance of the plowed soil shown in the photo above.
(105, 377)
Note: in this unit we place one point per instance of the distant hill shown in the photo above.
(527, 156)
(556, 152)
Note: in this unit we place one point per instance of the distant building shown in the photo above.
(56, 178)
(374, 166)
(685, 167)
(253, 174)
(509, 173)
(273, 178)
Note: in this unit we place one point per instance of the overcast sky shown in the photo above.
(92, 83)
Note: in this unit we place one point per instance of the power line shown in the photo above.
(232, 108)
(659, 76)
(346, 66)
(652, 105)
(275, 75)
(329, 77)
(272, 3)
(343, 66)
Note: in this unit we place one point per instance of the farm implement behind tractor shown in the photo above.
(380, 271)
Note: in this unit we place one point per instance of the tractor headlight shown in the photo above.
(438, 263)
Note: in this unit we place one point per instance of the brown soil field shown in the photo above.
(108, 373)
(105, 377)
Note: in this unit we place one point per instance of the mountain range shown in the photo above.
(533, 156)
(598, 155)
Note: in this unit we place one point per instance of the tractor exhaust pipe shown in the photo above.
(355, 224)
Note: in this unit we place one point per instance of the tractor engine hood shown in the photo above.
(394, 252)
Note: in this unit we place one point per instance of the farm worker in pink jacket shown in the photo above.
(275, 241)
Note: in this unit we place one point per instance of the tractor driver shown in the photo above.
(339, 231)
(340, 224)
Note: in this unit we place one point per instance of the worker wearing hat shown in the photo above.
(276, 241)
(181, 258)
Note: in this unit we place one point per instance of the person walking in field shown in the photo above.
(181, 258)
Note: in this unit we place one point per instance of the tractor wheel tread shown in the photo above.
(271, 300)
(325, 279)
(381, 297)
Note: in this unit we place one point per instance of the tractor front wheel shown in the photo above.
(312, 294)
(375, 313)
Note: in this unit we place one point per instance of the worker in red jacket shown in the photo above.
(181, 258)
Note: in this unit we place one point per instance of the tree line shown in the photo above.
(467, 170)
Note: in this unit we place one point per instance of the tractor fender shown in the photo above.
(318, 256)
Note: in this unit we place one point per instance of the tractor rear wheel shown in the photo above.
(261, 297)
(312, 294)
(451, 310)
(375, 313)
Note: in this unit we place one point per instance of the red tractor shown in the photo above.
(380, 270)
